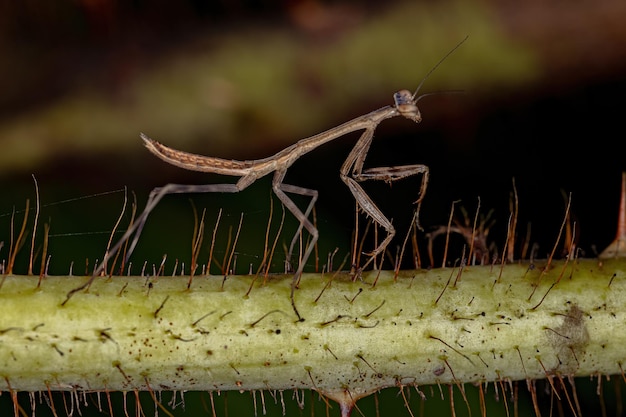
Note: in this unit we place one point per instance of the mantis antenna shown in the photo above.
(450, 52)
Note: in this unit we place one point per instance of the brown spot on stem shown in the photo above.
(570, 339)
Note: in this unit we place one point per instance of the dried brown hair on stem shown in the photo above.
(398, 262)
(14, 247)
(268, 254)
(512, 227)
(571, 237)
(474, 233)
(157, 403)
(554, 248)
(43, 270)
(356, 248)
(124, 247)
(316, 253)
(331, 279)
(473, 238)
(563, 224)
(355, 269)
(267, 239)
(117, 223)
(217, 223)
(196, 242)
(232, 251)
(32, 245)
(507, 241)
(445, 250)
(274, 246)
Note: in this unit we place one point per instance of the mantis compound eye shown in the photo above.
(405, 103)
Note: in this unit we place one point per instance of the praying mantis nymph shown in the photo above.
(351, 173)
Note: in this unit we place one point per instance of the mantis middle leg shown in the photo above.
(280, 190)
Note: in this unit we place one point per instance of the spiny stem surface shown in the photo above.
(153, 333)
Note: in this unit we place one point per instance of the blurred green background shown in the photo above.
(543, 103)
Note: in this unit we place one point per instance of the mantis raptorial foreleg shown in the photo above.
(352, 173)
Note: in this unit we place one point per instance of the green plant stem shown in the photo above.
(445, 326)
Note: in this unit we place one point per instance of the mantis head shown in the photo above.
(406, 104)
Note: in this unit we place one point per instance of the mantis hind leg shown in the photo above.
(307, 192)
(155, 196)
(280, 190)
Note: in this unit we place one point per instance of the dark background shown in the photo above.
(543, 89)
